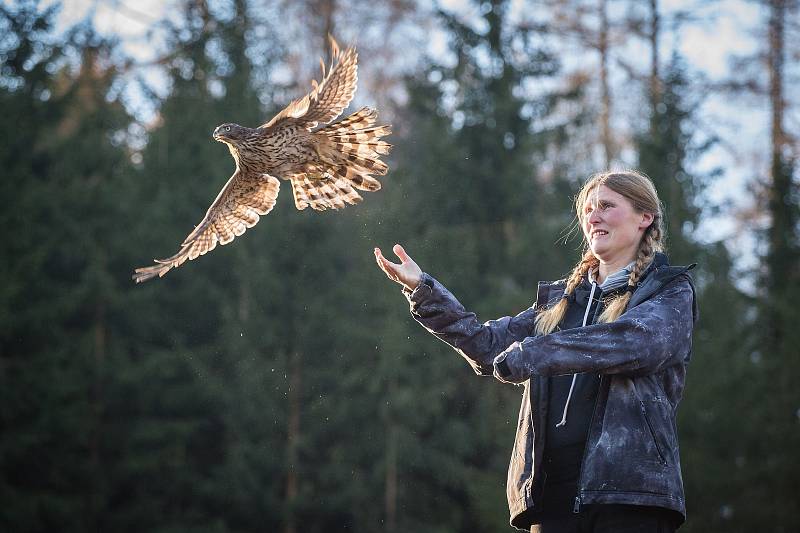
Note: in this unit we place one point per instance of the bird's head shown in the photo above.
(228, 133)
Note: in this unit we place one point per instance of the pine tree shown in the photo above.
(173, 424)
(666, 151)
(64, 159)
(468, 203)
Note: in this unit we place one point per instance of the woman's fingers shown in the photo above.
(400, 252)
(386, 265)
(407, 273)
(380, 259)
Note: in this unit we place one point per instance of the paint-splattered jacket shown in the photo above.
(631, 453)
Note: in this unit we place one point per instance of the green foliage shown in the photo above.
(737, 475)
(172, 406)
(666, 152)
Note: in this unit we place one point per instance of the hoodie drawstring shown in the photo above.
(575, 376)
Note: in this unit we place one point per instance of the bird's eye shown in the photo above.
(227, 128)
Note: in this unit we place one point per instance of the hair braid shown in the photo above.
(548, 319)
(649, 245)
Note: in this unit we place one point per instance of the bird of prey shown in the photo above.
(326, 162)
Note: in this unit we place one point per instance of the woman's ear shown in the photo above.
(647, 219)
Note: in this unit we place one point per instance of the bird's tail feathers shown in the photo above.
(330, 191)
(355, 143)
(357, 178)
(359, 128)
(350, 156)
(363, 118)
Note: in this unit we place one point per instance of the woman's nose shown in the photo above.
(594, 217)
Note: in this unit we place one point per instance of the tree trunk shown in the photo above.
(655, 21)
(96, 405)
(292, 438)
(244, 299)
(323, 11)
(390, 493)
(781, 256)
(605, 90)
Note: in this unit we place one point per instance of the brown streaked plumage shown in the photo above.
(327, 163)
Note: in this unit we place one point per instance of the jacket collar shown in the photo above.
(657, 274)
(581, 294)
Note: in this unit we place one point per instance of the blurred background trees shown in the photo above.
(279, 384)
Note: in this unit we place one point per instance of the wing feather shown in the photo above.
(329, 97)
(238, 206)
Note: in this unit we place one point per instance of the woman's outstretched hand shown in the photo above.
(407, 273)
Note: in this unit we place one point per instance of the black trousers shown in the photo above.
(610, 519)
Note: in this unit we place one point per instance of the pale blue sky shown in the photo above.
(719, 30)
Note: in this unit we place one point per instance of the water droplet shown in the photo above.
(726, 511)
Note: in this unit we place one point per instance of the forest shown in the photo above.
(279, 383)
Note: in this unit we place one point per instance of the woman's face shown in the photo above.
(612, 226)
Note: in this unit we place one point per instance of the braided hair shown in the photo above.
(639, 190)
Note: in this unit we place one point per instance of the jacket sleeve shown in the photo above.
(433, 306)
(653, 335)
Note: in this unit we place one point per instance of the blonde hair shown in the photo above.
(641, 193)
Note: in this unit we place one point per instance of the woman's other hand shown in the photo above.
(507, 367)
(407, 273)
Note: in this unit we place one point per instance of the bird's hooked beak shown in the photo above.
(219, 134)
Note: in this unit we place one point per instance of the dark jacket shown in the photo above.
(631, 454)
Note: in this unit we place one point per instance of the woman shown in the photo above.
(603, 357)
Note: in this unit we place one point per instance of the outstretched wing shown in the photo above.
(237, 207)
(330, 97)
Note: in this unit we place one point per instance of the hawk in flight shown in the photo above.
(327, 163)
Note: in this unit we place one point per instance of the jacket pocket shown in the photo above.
(653, 434)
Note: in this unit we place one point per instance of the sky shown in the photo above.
(718, 30)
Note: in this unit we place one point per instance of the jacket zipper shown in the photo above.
(576, 508)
